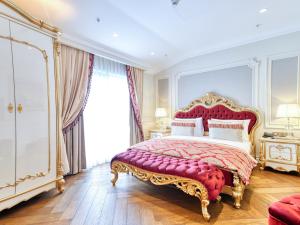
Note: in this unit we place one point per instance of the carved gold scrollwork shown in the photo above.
(211, 99)
(262, 159)
(237, 190)
(7, 186)
(30, 177)
(189, 186)
(23, 179)
(280, 149)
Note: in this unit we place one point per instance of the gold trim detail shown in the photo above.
(279, 145)
(262, 158)
(10, 108)
(30, 177)
(279, 168)
(189, 186)
(39, 23)
(25, 192)
(20, 108)
(237, 190)
(59, 164)
(280, 148)
(23, 179)
(8, 186)
(43, 26)
(211, 99)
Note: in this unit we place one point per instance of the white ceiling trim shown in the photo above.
(102, 51)
(229, 45)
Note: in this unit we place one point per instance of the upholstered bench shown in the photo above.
(286, 211)
(194, 177)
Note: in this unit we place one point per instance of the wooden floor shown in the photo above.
(90, 199)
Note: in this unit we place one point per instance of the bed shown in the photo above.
(235, 160)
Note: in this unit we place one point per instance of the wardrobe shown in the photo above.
(29, 107)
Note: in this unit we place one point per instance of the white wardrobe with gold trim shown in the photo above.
(28, 108)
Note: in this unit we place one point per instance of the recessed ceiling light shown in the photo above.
(263, 10)
(115, 35)
(152, 53)
(258, 25)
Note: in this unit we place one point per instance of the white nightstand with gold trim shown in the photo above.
(156, 133)
(280, 154)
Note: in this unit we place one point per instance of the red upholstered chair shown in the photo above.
(286, 211)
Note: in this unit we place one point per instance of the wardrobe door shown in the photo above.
(31, 69)
(7, 114)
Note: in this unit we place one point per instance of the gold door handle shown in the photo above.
(10, 108)
(20, 108)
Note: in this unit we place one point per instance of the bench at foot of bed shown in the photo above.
(196, 179)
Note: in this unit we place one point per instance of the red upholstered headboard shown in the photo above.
(218, 107)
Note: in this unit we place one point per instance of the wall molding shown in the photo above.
(252, 63)
(162, 77)
(268, 103)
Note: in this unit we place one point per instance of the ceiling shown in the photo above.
(156, 35)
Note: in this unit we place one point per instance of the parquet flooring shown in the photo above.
(90, 199)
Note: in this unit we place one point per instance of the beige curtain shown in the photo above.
(136, 130)
(139, 80)
(75, 146)
(75, 65)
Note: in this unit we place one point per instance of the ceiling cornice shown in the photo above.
(227, 46)
(103, 51)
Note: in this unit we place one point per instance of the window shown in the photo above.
(106, 116)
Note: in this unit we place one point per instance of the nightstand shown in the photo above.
(280, 154)
(159, 133)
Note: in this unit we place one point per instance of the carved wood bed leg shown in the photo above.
(237, 191)
(204, 204)
(115, 178)
(188, 186)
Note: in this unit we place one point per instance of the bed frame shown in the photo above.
(207, 107)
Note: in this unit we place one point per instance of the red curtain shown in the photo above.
(132, 74)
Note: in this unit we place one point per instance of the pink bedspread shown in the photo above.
(223, 156)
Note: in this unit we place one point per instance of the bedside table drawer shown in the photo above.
(281, 152)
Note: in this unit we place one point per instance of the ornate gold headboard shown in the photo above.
(215, 106)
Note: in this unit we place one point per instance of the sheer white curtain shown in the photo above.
(107, 128)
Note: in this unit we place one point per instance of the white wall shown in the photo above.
(258, 53)
(226, 82)
(148, 104)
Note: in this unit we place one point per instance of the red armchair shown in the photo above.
(286, 211)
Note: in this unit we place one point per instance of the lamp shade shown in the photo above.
(288, 111)
(160, 112)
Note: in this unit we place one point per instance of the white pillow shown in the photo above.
(226, 131)
(245, 125)
(199, 128)
(183, 128)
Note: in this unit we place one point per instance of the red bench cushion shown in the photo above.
(287, 210)
(208, 175)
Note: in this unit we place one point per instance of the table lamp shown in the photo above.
(288, 111)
